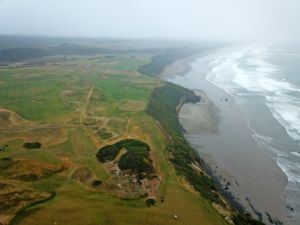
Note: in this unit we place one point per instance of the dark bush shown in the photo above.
(135, 162)
(32, 145)
(136, 159)
(5, 163)
(107, 153)
(150, 202)
(28, 177)
(96, 183)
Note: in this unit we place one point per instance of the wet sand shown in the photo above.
(200, 118)
(217, 128)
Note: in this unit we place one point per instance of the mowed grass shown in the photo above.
(34, 98)
(73, 205)
(35, 93)
(128, 64)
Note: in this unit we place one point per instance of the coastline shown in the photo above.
(162, 107)
(181, 66)
(200, 132)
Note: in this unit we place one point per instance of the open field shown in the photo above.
(73, 108)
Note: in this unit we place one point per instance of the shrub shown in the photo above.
(150, 202)
(107, 153)
(32, 145)
(96, 183)
(135, 159)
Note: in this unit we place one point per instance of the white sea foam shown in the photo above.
(291, 169)
(246, 72)
(295, 153)
(265, 142)
(221, 74)
(249, 72)
(286, 110)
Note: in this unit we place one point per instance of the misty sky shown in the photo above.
(197, 19)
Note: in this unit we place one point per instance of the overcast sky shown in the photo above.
(197, 19)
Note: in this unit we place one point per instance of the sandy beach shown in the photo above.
(218, 130)
(202, 117)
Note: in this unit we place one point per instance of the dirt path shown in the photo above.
(46, 127)
(86, 103)
(127, 126)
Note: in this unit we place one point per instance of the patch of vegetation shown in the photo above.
(104, 134)
(136, 159)
(26, 170)
(14, 196)
(3, 148)
(25, 211)
(16, 54)
(160, 62)
(30, 177)
(22, 53)
(107, 153)
(163, 103)
(96, 183)
(5, 163)
(32, 145)
(150, 202)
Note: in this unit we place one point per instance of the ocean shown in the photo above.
(263, 80)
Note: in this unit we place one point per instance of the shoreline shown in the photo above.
(186, 160)
(221, 171)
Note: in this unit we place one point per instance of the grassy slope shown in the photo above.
(115, 83)
(162, 106)
(159, 62)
